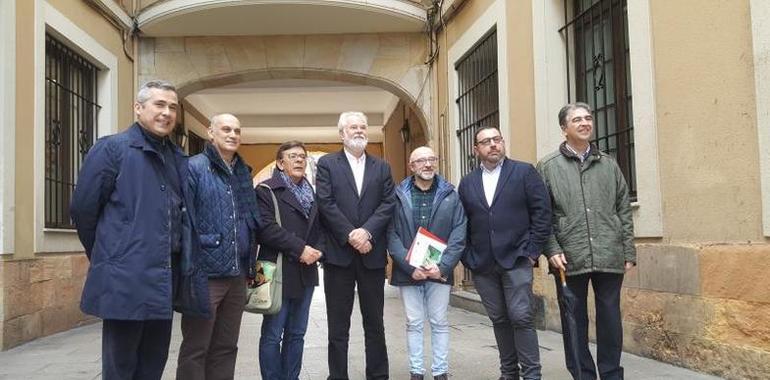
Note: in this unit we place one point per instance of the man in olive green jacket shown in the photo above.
(592, 238)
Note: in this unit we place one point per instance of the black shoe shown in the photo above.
(415, 376)
(442, 376)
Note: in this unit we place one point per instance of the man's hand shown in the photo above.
(558, 261)
(629, 265)
(309, 255)
(419, 275)
(358, 237)
(432, 272)
(364, 248)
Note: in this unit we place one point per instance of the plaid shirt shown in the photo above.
(422, 203)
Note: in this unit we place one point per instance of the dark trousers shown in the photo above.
(339, 286)
(507, 298)
(210, 346)
(609, 334)
(134, 349)
(283, 338)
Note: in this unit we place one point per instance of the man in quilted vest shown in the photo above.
(226, 220)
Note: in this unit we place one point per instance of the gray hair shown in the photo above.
(217, 119)
(344, 119)
(144, 92)
(564, 112)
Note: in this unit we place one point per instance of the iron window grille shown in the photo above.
(598, 73)
(196, 143)
(477, 100)
(71, 127)
(477, 103)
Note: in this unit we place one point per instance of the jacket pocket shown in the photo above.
(211, 240)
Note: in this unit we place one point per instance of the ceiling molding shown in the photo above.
(167, 10)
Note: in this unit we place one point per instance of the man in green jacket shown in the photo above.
(592, 238)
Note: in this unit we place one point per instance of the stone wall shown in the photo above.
(702, 307)
(41, 296)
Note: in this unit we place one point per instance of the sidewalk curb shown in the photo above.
(471, 301)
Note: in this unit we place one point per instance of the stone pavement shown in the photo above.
(75, 354)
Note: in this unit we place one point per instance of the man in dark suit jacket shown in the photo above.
(355, 198)
(509, 220)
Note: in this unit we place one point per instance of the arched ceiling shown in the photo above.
(279, 17)
(281, 109)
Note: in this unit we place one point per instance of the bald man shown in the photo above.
(227, 221)
(426, 200)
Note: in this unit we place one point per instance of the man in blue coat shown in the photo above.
(426, 200)
(131, 211)
(509, 221)
(226, 220)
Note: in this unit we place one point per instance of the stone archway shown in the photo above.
(393, 62)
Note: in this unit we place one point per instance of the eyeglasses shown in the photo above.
(424, 160)
(296, 156)
(490, 140)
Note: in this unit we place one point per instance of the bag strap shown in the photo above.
(275, 203)
(279, 260)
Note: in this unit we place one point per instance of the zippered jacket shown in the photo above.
(447, 222)
(592, 217)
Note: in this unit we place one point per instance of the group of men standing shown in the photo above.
(166, 233)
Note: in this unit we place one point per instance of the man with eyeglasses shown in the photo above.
(427, 200)
(509, 220)
(227, 222)
(592, 240)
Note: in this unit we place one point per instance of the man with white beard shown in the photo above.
(355, 199)
(426, 200)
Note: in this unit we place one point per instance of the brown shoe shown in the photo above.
(442, 376)
(415, 376)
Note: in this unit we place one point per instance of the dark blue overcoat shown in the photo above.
(120, 209)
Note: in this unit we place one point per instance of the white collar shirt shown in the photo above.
(489, 179)
(582, 157)
(357, 165)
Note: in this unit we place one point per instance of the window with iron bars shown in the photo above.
(598, 73)
(477, 100)
(195, 143)
(477, 103)
(71, 111)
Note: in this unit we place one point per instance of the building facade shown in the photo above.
(681, 91)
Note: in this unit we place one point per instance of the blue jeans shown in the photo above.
(431, 299)
(284, 361)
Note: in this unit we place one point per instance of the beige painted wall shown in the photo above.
(519, 127)
(706, 120)
(40, 292)
(89, 20)
(522, 144)
(443, 101)
(25, 110)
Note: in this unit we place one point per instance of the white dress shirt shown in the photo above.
(357, 165)
(489, 179)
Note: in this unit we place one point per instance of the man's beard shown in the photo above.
(426, 176)
(355, 144)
